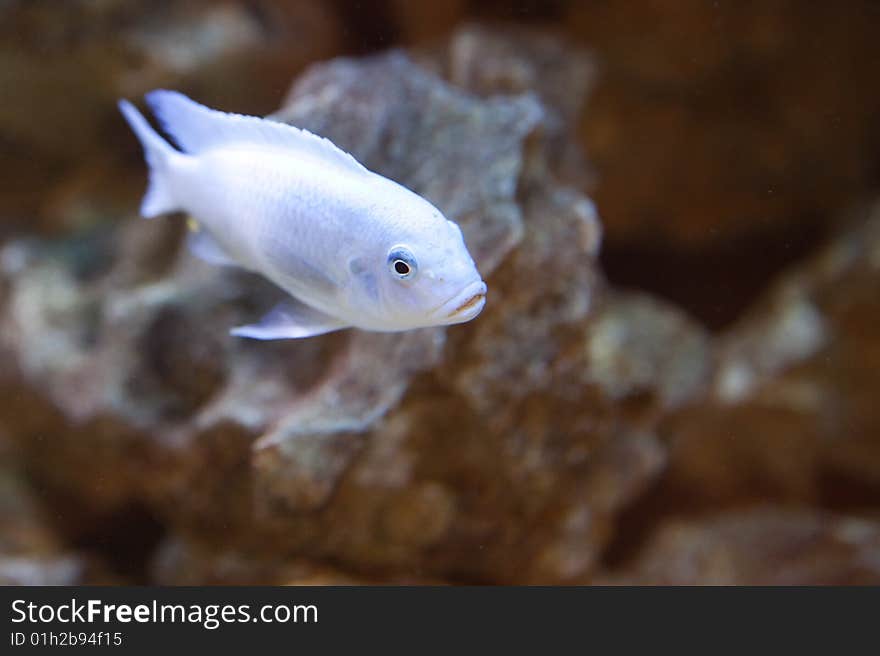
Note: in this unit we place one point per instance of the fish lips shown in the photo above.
(464, 306)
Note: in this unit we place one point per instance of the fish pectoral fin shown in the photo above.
(205, 247)
(291, 319)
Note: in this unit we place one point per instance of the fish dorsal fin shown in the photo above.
(197, 128)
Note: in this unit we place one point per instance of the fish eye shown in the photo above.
(402, 263)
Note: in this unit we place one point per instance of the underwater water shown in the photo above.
(673, 380)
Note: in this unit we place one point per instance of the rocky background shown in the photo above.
(675, 378)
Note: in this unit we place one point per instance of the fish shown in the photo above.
(350, 247)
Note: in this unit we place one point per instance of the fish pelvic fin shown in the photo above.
(159, 156)
(291, 319)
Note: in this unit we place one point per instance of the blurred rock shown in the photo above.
(40, 571)
(422, 22)
(21, 528)
(192, 562)
(768, 546)
(792, 414)
(30, 552)
(514, 61)
(188, 562)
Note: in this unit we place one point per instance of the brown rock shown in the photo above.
(768, 546)
(30, 551)
(792, 415)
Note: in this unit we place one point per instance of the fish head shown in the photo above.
(424, 278)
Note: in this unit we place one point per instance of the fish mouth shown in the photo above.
(465, 305)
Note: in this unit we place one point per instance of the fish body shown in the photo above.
(351, 247)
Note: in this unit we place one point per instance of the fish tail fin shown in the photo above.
(159, 155)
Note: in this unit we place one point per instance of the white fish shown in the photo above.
(353, 248)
